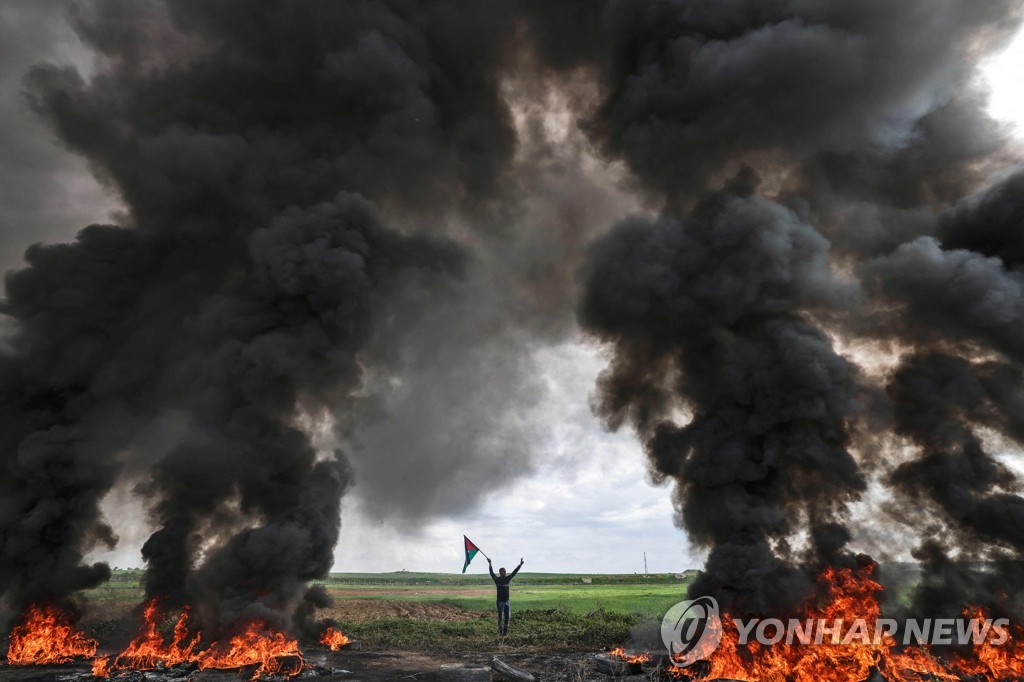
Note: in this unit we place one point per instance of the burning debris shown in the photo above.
(618, 663)
(636, 659)
(47, 636)
(841, 636)
(334, 639)
(149, 649)
(269, 652)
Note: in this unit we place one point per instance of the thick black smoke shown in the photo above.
(865, 120)
(711, 316)
(254, 287)
(990, 222)
(870, 97)
(270, 300)
(957, 299)
(937, 401)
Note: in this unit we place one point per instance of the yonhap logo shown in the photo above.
(692, 630)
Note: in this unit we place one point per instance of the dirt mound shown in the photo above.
(378, 609)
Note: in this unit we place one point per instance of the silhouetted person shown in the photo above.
(504, 608)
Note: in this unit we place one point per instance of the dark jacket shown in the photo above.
(502, 582)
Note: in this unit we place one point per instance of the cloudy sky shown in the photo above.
(588, 504)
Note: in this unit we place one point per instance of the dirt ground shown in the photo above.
(393, 592)
(358, 610)
(376, 609)
(548, 667)
(361, 666)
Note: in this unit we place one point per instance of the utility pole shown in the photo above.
(645, 563)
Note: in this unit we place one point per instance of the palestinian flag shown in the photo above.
(471, 551)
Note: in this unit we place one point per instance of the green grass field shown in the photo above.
(627, 595)
(649, 600)
(550, 610)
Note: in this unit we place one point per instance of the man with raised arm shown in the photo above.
(501, 581)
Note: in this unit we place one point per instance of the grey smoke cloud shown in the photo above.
(45, 193)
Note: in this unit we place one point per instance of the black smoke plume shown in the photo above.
(711, 316)
(254, 284)
(867, 130)
(957, 300)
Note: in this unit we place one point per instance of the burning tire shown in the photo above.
(614, 666)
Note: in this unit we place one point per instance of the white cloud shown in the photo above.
(1004, 73)
(590, 506)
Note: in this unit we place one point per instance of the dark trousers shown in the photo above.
(504, 616)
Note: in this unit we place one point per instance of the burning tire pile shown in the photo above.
(48, 637)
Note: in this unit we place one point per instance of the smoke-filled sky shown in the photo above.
(552, 503)
(486, 415)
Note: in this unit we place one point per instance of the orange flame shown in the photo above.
(47, 636)
(620, 653)
(148, 649)
(994, 662)
(101, 666)
(268, 651)
(259, 645)
(334, 638)
(851, 595)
